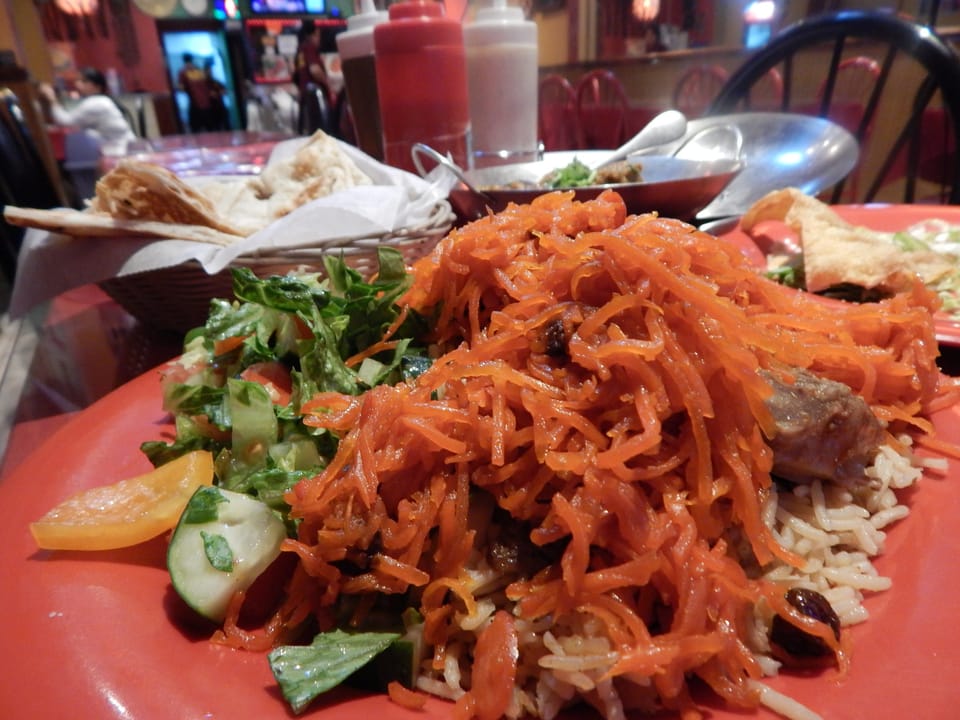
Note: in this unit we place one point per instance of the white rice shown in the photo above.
(838, 530)
(783, 704)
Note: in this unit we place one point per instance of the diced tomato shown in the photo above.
(303, 330)
(274, 376)
(222, 347)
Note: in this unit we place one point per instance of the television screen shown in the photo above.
(288, 7)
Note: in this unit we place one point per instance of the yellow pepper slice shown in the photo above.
(128, 512)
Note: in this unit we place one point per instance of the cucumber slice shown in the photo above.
(223, 541)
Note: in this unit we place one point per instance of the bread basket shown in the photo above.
(177, 299)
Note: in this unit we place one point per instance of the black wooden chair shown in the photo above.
(24, 181)
(912, 114)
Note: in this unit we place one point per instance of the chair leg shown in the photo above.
(10, 239)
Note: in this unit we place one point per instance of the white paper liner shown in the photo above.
(51, 263)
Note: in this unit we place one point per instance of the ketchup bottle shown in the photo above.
(422, 83)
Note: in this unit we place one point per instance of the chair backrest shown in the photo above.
(917, 88)
(848, 101)
(557, 113)
(602, 110)
(24, 181)
(696, 88)
(767, 93)
(22, 168)
(855, 81)
(134, 120)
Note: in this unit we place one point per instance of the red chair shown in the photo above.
(602, 110)
(855, 81)
(697, 87)
(844, 98)
(557, 113)
(767, 94)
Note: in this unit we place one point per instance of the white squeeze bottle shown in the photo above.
(501, 48)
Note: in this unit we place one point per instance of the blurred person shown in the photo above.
(96, 112)
(193, 81)
(309, 73)
(219, 119)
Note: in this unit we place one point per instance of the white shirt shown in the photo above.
(99, 115)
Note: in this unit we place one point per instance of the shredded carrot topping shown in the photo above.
(601, 386)
(405, 697)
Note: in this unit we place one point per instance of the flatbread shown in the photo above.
(836, 252)
(135, 190)
(142, 199)
(79, 223)
(319, 168)
(237, 201)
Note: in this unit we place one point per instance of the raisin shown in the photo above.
(556, 339)
(797, 642)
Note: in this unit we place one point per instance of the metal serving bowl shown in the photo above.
(672, 186)
(778, 150)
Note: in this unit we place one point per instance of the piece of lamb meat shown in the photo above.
(825, 431)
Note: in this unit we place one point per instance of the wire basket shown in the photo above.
(177, 299)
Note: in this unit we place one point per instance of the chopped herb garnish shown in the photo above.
(202, 507)
(218, 551)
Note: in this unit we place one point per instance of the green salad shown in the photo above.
(237, 391)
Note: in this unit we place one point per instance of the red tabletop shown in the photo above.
(26, 436)
(86, 345)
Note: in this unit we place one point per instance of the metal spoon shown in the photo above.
(662, 129)
(714, 142)
(421, 149)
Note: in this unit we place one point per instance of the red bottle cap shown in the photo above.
(416, 8)
(414, 23)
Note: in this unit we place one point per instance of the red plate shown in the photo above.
(888, 218)
(92, 635)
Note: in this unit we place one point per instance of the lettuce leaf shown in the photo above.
(307, 671)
